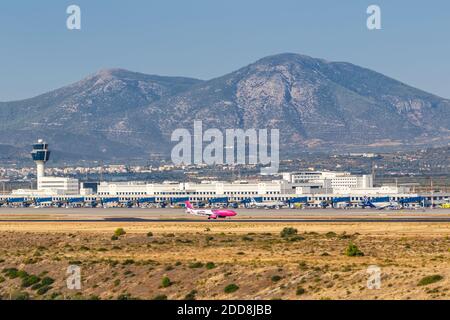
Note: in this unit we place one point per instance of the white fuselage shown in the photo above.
(200, 212)
(386, 205)
(267, 204)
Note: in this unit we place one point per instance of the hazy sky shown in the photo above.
(209, 38)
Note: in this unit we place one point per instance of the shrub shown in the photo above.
(128, 261)
(149, 234)
(11, 273)
(116, 282)
(430, 279)
(191, 295)
(196, 265)
(210, 265)
(296, 238)
(276, 278)
(302, 265)
(231, 288)
(353, 251)
(331, 234)
(29, 281)
(43, 290)
(37, 286)
(114, 238)
(160, 297)
(20, 296)
(247, 238)
(344, 235)
(55, 295)
(166, 282)
(125, 296)
(300, 291)
(288, 232)
(119, 232)
(22, 274)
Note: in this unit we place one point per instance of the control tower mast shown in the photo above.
(40, 155)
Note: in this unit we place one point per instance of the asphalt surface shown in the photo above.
(352, 220)
(157, 215)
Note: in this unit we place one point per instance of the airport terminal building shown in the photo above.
(312, 187)
(235, 191)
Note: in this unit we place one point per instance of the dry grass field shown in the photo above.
(224, 260)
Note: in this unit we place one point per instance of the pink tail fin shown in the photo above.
(188, 205)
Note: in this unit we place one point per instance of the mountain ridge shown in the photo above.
(317, 104)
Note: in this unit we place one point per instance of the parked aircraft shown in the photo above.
(266, 205)
(380, 205)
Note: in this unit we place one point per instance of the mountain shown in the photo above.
(11, 153)
(316, 104)
(91, 117)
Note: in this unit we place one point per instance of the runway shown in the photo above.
(173, 215)
(354, 220)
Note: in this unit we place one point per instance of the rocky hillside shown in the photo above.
(316, 104)
(91, 118)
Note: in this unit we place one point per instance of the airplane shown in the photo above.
(266, 205)
(323, 204)
(379, 205)
(211, 214)
(342, 205)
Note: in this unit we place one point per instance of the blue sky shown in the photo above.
(209, 38)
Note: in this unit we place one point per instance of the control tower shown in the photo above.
(40, 155)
